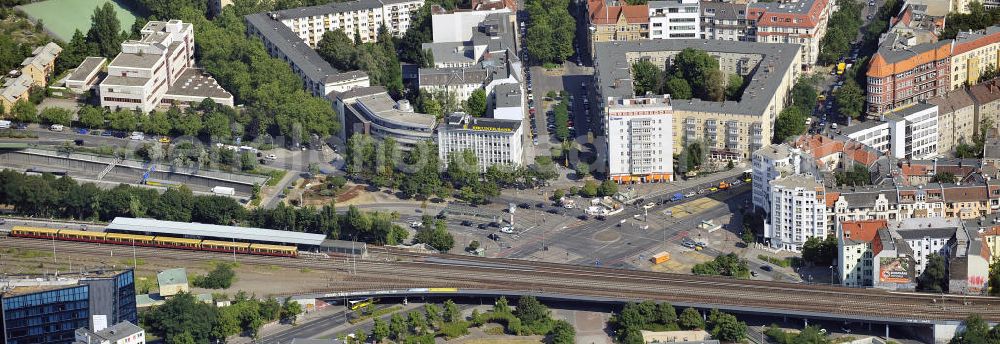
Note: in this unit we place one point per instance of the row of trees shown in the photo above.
(418, 172)
(975, 150)
(977, 18)
(792, 120)
(379, 59)
(821, 252)
(729, 265)
(185, 320)
(561, 119)
(551, 31)
(808, 335)
(843, 27)
(48, 196)
(694, 73)
(649, 316)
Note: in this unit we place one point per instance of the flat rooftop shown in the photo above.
(508, 95)
(333, 7)
(186, 229)
(29, 284)
(86, 68)
(382, 106)
(115, 80)
(130, 60)
(462, 121)
(194, 82)
(776, 59)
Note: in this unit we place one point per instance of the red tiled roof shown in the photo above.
(603, 14)
(914, 170)
(783, 19)
(965, 194)
(831, 198)
(863, 230)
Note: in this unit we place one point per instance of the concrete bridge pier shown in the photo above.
(944, 332)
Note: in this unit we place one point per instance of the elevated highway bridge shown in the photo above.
(403, 274)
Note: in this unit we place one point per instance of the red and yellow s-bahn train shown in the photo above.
(155, 241)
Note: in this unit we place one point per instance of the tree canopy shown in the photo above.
(551, 31)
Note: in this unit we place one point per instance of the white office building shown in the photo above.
(360, 18)
(798, 212)
(872, 133)
(158, 69)
(494, 141)
(913, 131)
(640, 139)
(674, 19)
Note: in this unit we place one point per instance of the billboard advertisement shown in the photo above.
(894, 270)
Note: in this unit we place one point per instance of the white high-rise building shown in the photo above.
(770, 163)
(640, 139)
(798, 212)
(674, 19)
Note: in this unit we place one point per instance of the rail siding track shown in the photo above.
(408, 270)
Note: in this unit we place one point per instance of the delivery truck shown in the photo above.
(660, 257)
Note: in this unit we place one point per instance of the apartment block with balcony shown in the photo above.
(972, 53)
(361, 18)
(956, 120)
(733, 128)
(639, 134)
(726, 21)
(674, 19)
(800, 22)
(798, 212)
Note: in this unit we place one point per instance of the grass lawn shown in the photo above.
(62, 17)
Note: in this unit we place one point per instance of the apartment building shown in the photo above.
(734, 127)
(725, 21)
(613, 20)
(800, 22)
(798, 212)
(359, 18)
(493, 141)
(35, 71)
(906, 133)
(972, 53)
(124, 332)
(674, 19)
(319, 77)
(487, 60)
(639, 134)
(906, 70)
(892, 254)
(49, 310)
(41, 64)
(956, 120)
(459, 25)
(773, 162)
(158, 69)
(987, 99)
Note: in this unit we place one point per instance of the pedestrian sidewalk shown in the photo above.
(278, 327)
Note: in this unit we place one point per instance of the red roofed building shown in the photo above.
(792, 21)
(614, 21)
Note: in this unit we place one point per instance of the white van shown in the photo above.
(833, 125)
(56, 127)
(5, 124)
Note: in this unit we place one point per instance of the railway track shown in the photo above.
(409, 270)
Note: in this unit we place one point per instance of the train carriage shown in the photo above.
(225, 246)
(34, 232)
(85, 236)
(274, 250)
(129, 239)
(169, 242)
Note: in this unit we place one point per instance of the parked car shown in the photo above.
(507, 229)
(481, 226)
(82, 131)
(524, 205)
(137, 136)
(56, 127)
(164, 139)
(766, 267)
(467, 223)
(20, 126)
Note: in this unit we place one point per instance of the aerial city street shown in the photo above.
(499, 171)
